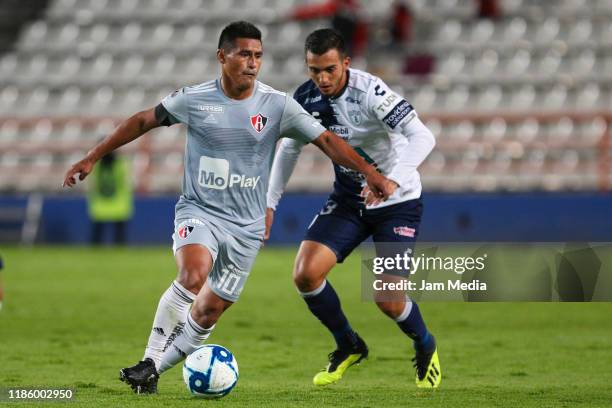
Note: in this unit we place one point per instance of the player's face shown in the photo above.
(328, 71)
(241, 64)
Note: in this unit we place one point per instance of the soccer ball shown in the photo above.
(211, 371)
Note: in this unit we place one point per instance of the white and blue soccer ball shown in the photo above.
(211, 371)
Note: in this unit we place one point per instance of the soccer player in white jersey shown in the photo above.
(385, 129)
(233, 124)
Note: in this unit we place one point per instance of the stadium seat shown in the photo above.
(8, 96)
(490, 98)
(71, 131)
(518, 64)
(452, 64)
(515, 30)
(457, 98)
(34, 33)
(495, 130)
(9, 132)
(528, 130)
(131, 32)
(560, 132)
(587, 97)
(555, 97)
(482, 32)
(592, 131)
(449, 32)
(547, 31)
(580, 32)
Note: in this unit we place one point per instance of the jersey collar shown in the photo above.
(228, 99)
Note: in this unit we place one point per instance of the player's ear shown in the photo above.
(347, 62)
(221, 55)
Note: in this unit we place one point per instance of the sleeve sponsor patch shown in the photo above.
(398, 113)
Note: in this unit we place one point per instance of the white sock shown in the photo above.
(170, 317)
(188, 340)
(405, 313)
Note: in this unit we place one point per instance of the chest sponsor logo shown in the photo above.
(342, 131)
(259, 122)
(214, 173)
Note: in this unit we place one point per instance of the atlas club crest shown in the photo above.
(259, 122)
(184, 231)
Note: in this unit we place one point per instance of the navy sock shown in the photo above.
(411, 322)
(324, 303)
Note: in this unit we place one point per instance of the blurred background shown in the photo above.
(517, 92)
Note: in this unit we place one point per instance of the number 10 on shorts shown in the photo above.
(231, 281)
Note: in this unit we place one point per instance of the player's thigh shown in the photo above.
(312, 264)
(194, 263)
(396, 228)
(339, 228)
(195, 248)
(233, 266)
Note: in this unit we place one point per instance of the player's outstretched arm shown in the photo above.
(343, 154)
(130, 129)
(282, 168)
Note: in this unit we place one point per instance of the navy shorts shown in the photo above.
(342, 226)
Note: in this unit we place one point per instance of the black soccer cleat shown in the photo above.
(142, 377)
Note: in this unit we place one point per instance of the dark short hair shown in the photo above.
(235, 30)
(325, 39)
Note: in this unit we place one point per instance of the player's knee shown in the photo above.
(193, 276)
(306, 278)
(391, 309)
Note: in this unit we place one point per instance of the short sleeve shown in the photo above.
(176, 105)
(388, 106)
(298, 124)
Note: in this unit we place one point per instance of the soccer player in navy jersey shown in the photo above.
(384, 129)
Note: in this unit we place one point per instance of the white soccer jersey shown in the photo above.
(377, 122)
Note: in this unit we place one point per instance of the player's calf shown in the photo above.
(426, 362)
(205, 312)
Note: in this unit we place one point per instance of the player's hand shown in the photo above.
(82, 168)
(378, 189)
(269, 221)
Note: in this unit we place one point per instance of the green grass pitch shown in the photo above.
(74, 316)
